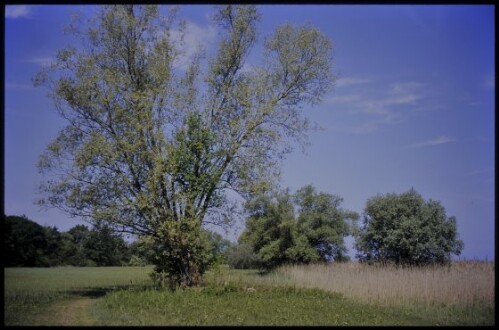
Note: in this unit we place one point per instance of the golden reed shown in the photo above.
(461, 283)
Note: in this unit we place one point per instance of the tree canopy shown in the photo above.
(406, 229)
(316, 234)
(151, 147)
(25, 243)
(28, 244)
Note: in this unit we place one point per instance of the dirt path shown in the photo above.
(69, 312)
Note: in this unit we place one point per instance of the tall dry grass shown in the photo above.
(462, 283)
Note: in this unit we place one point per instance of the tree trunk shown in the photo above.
(189, 275)
(177, 255)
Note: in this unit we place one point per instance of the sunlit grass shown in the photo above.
(29, 291)
(235, 305)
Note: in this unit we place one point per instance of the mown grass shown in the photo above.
(126, 296)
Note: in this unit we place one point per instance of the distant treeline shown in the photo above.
(28, 244)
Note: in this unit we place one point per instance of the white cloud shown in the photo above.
(17, 11)
(437, 141)
(195, 37)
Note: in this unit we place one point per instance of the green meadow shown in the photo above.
(293, 295)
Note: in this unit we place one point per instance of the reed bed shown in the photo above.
(463, 283)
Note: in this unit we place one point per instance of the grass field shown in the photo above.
(346, 294)
(29, 292)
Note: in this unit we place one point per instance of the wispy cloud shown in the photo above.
(437, 141)
(349, 81)
(17, 11)
(344, 99)
(479, 172)
(365, 127)
(403, 93)
(407, 93)
(372, 106)
(195, 38)
(40, 60)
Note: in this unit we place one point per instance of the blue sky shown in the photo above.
(413, 106)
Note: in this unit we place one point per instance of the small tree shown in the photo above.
(406, 229)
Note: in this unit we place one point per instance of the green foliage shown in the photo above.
(149, 150)
(181, 254)
(136, 261)
(406, 229)
(241, 256)
(104, 247)
(142, 249)
(323, 223)
(316, 234)
(28, 244)
(100, 246)
(220, 245)
(25, 243)
(79, 235)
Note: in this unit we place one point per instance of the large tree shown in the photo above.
(152, 150)
(301, 228)
(324, 223)
(272, 233)
(406, 229)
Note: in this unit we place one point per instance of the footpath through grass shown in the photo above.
(33, 296)
(126, 296)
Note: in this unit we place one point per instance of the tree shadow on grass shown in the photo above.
(98, 292)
